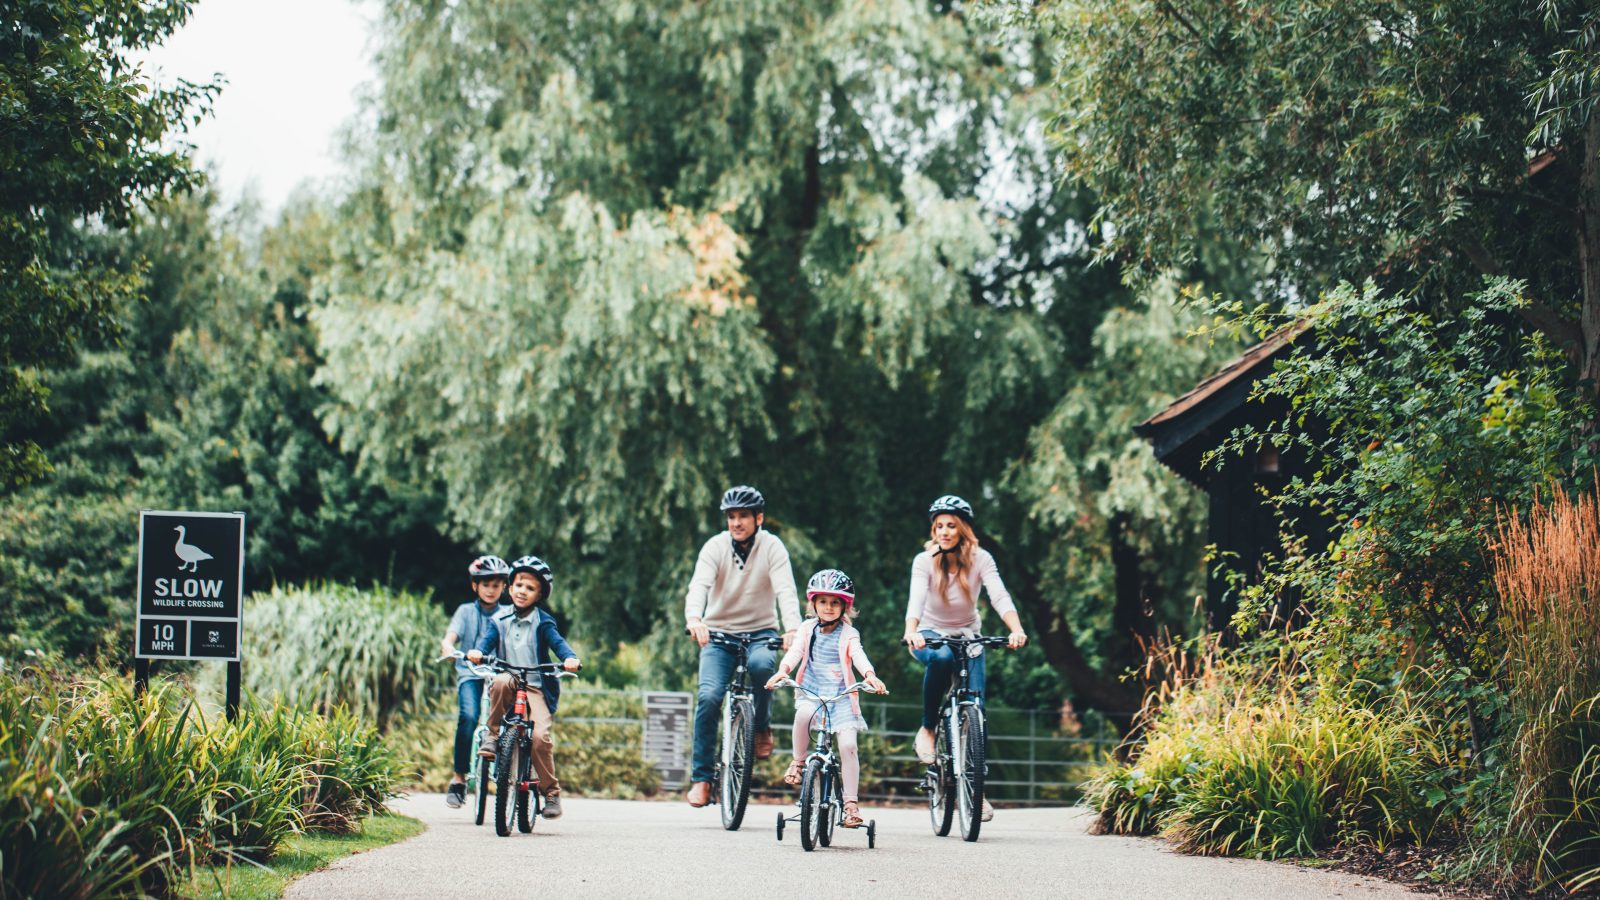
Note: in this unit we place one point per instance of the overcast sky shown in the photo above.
(293, 68)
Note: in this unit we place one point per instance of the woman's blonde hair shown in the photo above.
(955, 564)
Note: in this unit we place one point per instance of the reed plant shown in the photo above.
(1547, 571)
(370, 651)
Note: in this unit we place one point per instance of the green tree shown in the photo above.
(1428, 145)
(82, 144)
(604, 260)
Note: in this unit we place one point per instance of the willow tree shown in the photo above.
(604, 259)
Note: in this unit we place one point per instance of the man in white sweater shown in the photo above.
(742, 583)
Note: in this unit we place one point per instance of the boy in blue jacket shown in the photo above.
(527, 636)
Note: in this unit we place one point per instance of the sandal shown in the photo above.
(792, 777)
(852, 815)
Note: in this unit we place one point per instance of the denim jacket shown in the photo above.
(547, 637)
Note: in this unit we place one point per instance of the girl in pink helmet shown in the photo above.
(825, 649)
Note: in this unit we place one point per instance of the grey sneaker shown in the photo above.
(455, 795)
(487, 749)
(552, 805)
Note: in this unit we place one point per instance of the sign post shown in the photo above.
(666, 735)
(191, 584)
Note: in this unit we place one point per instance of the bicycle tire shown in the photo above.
(974, 759)
(525, 798)
(811, 807)
(482, 790)
(941, 800)
(505, 763)
(741, 761)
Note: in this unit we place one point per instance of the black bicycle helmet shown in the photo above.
(540, 570)
(950, 503)
(489, 566)
(743, 496)
(832, 581)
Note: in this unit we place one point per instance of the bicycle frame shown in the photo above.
(951, 771)
(828, 767)
(731, 779)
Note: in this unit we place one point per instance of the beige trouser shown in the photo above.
(503, 693)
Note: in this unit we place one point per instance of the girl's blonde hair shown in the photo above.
(955, 564)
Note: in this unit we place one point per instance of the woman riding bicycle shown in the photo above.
(945, 579)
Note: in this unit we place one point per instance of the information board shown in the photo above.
(191, 582)
(666, 735)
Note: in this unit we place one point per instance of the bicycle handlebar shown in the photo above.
(732, 639)
(849, 689)
(490, 665)
(961, 642)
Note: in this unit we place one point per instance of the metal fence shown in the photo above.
(1031, 761)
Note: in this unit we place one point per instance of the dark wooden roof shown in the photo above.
(1182, 432)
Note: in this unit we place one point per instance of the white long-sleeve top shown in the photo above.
(729, 595)
(954, 613)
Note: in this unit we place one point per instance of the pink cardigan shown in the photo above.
(850, 653)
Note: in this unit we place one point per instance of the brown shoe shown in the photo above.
(764, 744)
(699, 793)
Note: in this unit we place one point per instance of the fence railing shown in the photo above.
(1031, 762)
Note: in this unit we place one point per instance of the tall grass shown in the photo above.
(107, 794)
(369, 651)
(1547, 570)
(1235, 760)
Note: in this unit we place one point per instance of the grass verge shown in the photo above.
(300, 855)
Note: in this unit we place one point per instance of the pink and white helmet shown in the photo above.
(832, 581)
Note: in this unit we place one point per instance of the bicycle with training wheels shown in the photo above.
(730, 785)
(478, 776)
(516, 793)
(954, 782)
(821, 784)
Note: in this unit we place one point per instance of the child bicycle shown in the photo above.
(515, 784)
(478, 776)
(821, 797)
(954, 783)
(730, 785)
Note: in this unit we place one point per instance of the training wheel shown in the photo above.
(780, 826)
(872, 833)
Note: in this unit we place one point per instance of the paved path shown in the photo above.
(615, 848)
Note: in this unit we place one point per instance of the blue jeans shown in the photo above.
(716, 668)
(469, 703)
(942, 667)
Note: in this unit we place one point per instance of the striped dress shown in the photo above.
(825, 675)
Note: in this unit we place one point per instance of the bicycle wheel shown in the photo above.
(941, 786)
(483, 790)
(970, 777)
(812, 807)
(741, 758)
(506, 763)
(525, 798)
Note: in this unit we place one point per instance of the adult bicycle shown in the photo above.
(954, 782)
(821, 784)
(730, 784)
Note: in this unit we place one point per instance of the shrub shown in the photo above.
(1547, 569)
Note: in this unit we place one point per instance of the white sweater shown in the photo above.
(729, 595)
(954, 613)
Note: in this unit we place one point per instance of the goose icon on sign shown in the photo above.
(191, 555)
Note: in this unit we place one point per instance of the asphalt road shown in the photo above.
(615, 848)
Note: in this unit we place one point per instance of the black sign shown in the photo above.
(191, 579)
